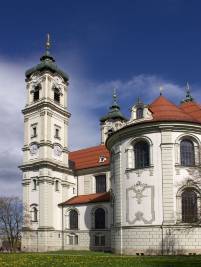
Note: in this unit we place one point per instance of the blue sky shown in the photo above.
(118, 38)
(133, 45)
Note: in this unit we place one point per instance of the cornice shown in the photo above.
(42, 143)
(45, 163)
(105, 168)
(151, 127)
(46, 104)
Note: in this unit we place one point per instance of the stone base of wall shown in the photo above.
(51, 240)
(41, 240)
(166, 240)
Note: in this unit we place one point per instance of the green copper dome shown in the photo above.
(114, 112)
(47, 63)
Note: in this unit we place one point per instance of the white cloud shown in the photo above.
(87, 101)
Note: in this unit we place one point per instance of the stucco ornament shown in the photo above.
(140, 203)
(36, 80)
(57, 81)
(138, 188)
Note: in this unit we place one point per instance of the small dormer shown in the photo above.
(140, 111)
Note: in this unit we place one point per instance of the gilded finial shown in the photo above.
(187, 89)
(114, 96)
(161, 89)
(47, 45)
(138, 100)
(188, 98)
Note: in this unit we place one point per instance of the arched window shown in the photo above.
(141, 150)
(34, 214)
(73, 215)
(139, 113)
(99, 218)
(189, 206)
(56, 95)
(36, 93)
(187, 153)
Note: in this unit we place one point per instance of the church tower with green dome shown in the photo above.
(47, 179)
(112, 121)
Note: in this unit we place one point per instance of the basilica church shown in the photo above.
(137, 193)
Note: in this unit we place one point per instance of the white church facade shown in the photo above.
(138, 192)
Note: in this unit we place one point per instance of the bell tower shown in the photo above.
(47, 180)
(113, 120)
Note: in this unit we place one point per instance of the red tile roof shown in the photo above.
(164, 110)
(89, 157)
(85, 199)
(193, 109)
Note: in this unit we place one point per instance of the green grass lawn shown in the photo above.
(94, 259)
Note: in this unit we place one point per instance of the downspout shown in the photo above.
(162, 239)
(37, 239)
(162, 245)
(77, 185)
(62, 233)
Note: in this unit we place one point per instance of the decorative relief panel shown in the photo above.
(140, 203)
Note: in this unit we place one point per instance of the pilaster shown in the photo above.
(167, 155)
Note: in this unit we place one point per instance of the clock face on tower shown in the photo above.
(33, 149)
(57, 150)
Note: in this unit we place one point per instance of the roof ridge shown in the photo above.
(91, 147)
(163, 98)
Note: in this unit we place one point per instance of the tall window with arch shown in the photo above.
(187, 153)
(189, 206)
(73, 219)
(99, 218)
(141, 152)
(34, 215)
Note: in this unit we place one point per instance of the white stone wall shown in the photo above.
(87, 183)
(147, 209)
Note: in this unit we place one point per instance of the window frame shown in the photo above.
(71, 222)
(99, 238)
(34, 184)
(99, 219)
(130, 153)
(56, 185)
(34, 213)
(138, 155)
(36, 93)
(139, 115)
(187, 160)
(99, 186)
(189, 185)
(72, 239)
(190, 210)
(57, 94)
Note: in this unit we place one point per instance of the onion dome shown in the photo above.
(47, 63)
(114, 112)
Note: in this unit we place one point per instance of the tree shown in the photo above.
(11, 219)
